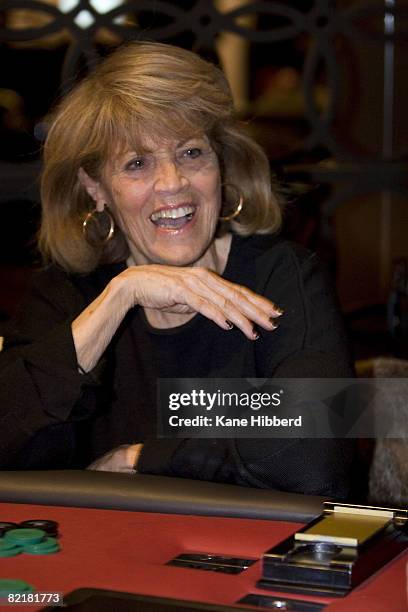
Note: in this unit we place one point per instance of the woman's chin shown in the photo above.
(176, 254)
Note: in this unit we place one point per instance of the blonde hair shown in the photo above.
(143, 87)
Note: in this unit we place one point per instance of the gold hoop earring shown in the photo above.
(95, 240)
(238, 206)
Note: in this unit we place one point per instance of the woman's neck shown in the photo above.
(216, 256)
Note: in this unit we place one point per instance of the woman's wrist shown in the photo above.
(93, 329)
(121, 291)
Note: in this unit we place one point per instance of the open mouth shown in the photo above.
(173, 218)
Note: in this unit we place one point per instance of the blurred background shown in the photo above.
(321, 85)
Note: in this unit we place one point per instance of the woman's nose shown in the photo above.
(169, 176)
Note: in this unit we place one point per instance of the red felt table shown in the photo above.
(127, 551)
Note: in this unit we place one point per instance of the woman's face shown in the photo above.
(166, 199)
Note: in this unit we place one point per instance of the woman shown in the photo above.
(154, 199)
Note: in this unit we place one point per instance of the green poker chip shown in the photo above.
(10, 552)
(21, 537)
(9, 586)
(48, 546)
(7, 545)
(9, 549)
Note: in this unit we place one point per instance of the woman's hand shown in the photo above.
(173, 289)
(121, 459)
(168, 289)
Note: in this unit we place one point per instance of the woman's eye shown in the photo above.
(135, 164)
(192, 153)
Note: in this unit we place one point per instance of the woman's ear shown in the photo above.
(93, 188)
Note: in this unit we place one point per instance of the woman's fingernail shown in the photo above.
(229, 324)
(273, 322)
(279, 311)
(255, 334)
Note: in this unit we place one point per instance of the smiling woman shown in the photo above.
(154, 201)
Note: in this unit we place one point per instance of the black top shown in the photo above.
(52, 417)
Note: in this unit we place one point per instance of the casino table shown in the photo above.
(118, 532)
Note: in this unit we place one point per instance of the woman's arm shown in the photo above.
(55, 338)
(168, 289)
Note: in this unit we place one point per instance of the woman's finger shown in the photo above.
(208, 310)
(238, 303)
(259, 301)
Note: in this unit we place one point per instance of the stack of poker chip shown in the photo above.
(28, 537)
(11, 586)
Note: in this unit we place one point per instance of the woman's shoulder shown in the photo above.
(272, 250)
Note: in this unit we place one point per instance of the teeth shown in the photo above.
(173, 213)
